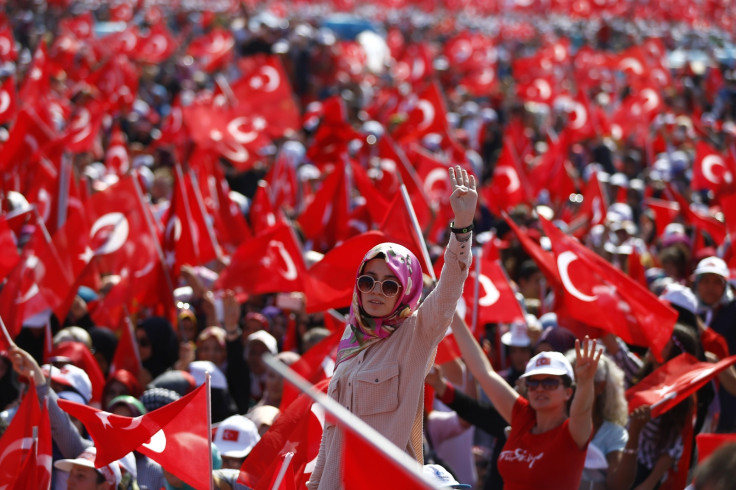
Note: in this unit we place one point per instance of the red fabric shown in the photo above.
(8, 97)
(311, 366)
(427, 116)
(550, 460)
(82, 357)
(269, 263)
(496, 300)
(9, 255)
(711, 170)
(399, 227)
(126, 354)
(282, 180)
(299, 430)
(592, 285)
(332, 279)
(116, 157)
(508, 186)
(326, 217)
(263, 214)
(213, 49)
(168, 435)
(593, 210)
(707, 443)
(156, 47)
(25, 459)
(714, 342)
(383, 472)
(84, 127)
(673, 381)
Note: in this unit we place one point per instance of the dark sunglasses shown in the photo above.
(548, 384)
(143, 342)
(389, 287)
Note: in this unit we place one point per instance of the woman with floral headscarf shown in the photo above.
(389, 343)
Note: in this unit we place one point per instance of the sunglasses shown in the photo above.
(389, 287)
(143, 342)
(548, 384)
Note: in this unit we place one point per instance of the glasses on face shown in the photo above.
(547, 384)
(389, 287)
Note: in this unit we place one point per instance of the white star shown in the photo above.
(87, 255)
(664, 390)
(103, 416)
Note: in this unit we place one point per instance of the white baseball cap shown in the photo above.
(236, 436)
(712, 265)
(71, 376)
(549, 362)
(516, 336)
(681, 296)
(111, 472)
(199, 369)
(441, 477)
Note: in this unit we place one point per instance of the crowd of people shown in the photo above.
(620, 132)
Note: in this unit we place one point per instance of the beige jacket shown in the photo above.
(384, 384)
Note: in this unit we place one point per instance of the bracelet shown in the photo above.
(459, 231)
(629, 450)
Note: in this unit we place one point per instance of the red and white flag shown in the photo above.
(126, 354)
(168, 435)
(8, 98)
(25, 447)
(712, 170)
(707, 443)
(674, 381)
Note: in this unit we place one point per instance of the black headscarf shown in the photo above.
(164, 345)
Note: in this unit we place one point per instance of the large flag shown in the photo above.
(297, 430)
(269, 263)
(25, 447)
(169, 435)
(674, 381)
(400, 226)
(126, 354)
(592, 285)
(707, 443)
(317, 364)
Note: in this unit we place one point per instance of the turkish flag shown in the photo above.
(269, 263)
(212, 50)
(37, 80)
(707, 443)
(263, 215)
(25, 447)
(155, 47)
(126, 353)
(298, 430)
(81, 356)
(593, 210)
(711, 170)
(80, 26)
(168, 435)
(332, 279)
(282, 177)
(8, 51)
(508, 186)
(325, 218)
(360, 476)
(117, 79)
(117, 160)
(30, 132)
(674, 381)
(428, 115)
(592, 285)
(545, 260)
(665, 213)
(495, 301)
(399, 227)
(9, 255)
(8, 98)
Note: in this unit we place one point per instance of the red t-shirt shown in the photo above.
(551, 460)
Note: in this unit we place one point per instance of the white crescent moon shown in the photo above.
(32, 291)
(4, 46)
(651, 99)
(463, 50)
(143, 272)
(563, 262)
(418, 68)
(173, 225)
(491, 291)
(134, 422)
(560, 52)
(597, 215)
(81, 123)
(117, 238)
(523, 3)
(487, 76)
(581, 115)
(436, 175)
(157, 444)
(427, 114)
(128, 41)
(159, 44)
(542, 86)
(175, 119)
(711, 161)
(44, 198)
(401, 70)
(509, 172)
(119, 153)
(4, 100)
(17, 445)
(242, 137)
(632, 64)
(290, 272)
(319, 412)
(231, 152)
(272, 75)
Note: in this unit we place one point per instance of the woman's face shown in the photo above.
(546, 392)
(144, 345)
(274, 386)
(210, 349)
(375, 303)
(114, 389)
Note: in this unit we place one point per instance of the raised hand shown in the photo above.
(586, 362)
(464, 197)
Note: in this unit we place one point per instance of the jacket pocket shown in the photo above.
(376, 391)
(333, 391)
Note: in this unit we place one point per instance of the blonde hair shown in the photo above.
(612, 401)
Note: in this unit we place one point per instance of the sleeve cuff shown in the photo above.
(449, 395)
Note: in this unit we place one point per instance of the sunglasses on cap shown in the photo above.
(547, 384)
(389, 287)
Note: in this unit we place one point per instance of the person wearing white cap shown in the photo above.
(547, 444)
(84, 476)
(717, 309)
(234, 438)
(441, 477)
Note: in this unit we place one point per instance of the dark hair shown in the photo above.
(100, 477)
(716, 471)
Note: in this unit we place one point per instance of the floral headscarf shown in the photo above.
(363, 330)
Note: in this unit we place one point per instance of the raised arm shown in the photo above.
(581, 409)
(502, 395)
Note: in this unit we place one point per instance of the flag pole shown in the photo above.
(200, 204)
(347, 421)
(6, 334)
(209, 427)
(418, 231)
(282, 471)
